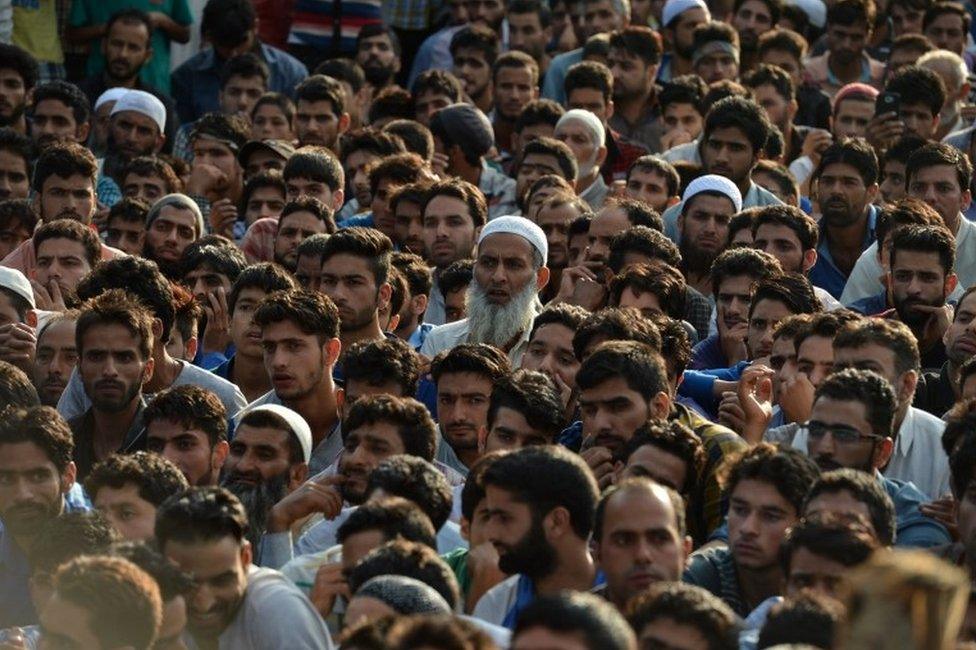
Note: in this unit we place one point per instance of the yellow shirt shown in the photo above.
(36, 29)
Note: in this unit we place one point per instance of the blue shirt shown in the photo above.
(707, 353)
(871, 305)
(825, 273)
(196, 83)
(553, 87)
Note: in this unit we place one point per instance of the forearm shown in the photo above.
(86, 34)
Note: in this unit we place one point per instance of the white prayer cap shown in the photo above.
(714, 183)
(299, 427)
(15, 281)
(674, 8)
(142, 102)
(591, 121)
(518, 226)
(110, 95)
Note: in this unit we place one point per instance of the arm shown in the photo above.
(174, 30)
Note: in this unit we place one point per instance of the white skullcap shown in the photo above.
(591, 121)
(110, 95)
(14, 280)
(815, 10)
(142, 102)
(674, 8)
(297, 424)
(714, 183)
(518, 226)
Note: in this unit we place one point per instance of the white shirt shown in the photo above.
(445, 337)
(497, 601)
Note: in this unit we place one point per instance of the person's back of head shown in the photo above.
(574, 616)
(227, 23)
(67, 536)
(200, 514)
(394, 518)
(16, 389)
(805, 619)
(416, 479)
(683, 608)
(614, 324)
(862, 488)
(409, 559)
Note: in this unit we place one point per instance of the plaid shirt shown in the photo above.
(407, 14)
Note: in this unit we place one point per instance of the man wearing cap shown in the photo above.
(263, 156)
(268, 460)
(679, 19)
(173, 223)
(584, 134)
(716, 55)
(136, 128)
(849, 27)
(709, 202)
(509, 273)
(464, 135)
(17, 337)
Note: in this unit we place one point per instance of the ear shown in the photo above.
(333, 347)
(32, 318)
(609, 110)
(385, 293)
(809, 259)
(247, 554)
(908, 381)
(674, 200)
(601, 156)
(344, 120)
(147, 372)
(297, 474)
(340, 396)
(967, 198)
(660, 406)
(542, 277)
(338, 197)
(873, 192)
(82, 131)
(393, 323)
(482, 438)
(950, 284)
(157, 329)
(557, 523)
(191, 346)
(882, 452)
(218, 456)
(687, 545)
(68, 477)
(418, 304)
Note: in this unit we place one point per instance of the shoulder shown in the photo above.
(704, 567)
(494, 605)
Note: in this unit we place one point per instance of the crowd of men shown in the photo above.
(531, 324)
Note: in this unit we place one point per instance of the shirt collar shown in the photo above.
(906, 434)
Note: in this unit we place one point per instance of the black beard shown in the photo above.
(378, 76)
(531, 555)
(14, 117)
(694, 259)
(915, 320)
(171, 270)
(257, 501)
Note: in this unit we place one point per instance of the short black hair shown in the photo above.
(226, 23)
(68, 94)
(394, 518)
(437, 81)
(569, 316)
(320, 88)
(20, 61)
(200, 514)
(246, 66)
(192, 407)
(63, 159)
(372, 30)
(403, 558)
(645, 241)
(457, 276)
(367, 243)
(312, 312)
(793, 290)
(42, 426)
(579, 614)
(416, 137)
(918, 85)
(771, 75)
(225, 260)
(155, 477)
(413, 423)
(534, 396)
(419, 277)
(377, 362)
(829, 536)
(686, 605)
(615, 324)
(656, 278)
(16, 388)
(802, 224)
(70, 535)
(743, 114)
(640, 41)
(788, 471)
(654, 163)
(539, 111)
(316, 164)
(925, 239)
(942, 8)
(589, 74)
(416, 479)
(806, 619)
(477, 358)
(171, 580)
(558, 150)
(343, 69)
(674, 438)
(887, 333)
(937, 153)
(476, 37)
(866, 489)
(851, 12)
(855, 152)
(232, 129)
(750, 262)
(266, 276)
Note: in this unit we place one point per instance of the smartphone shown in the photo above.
(888, 102)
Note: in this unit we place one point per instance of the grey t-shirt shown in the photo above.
(75, 402)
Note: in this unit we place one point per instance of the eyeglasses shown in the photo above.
(842, 435)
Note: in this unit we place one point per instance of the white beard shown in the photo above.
(587, 168)
(498, 324)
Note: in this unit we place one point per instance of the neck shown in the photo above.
(953, 223)
(251, 376)
(680, 66)
(318, 408)
(111, 428)
(371, 332)
(468, 456)
(745, 186)
(848, 73)
(468, 172)
(632, 109)
(503, 128)
(575, 572)
(165, 372)
(900, 416)
(406, 330)
(485, 100)
(759, 584)
(112, 82)
(583, 184)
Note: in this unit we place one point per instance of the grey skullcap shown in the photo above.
(181, 201)
(466, 126)
(405, 595)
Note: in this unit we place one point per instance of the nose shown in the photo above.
(202, 600)
(109, 369)
(749, 524)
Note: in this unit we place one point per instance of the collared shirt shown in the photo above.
(756, 197)
(196, 83)
(825, 273)
(499, 191)
(818, 72)
(83, 431)
(436, 309)
(434, 53)
(647, 131)
(502, 604)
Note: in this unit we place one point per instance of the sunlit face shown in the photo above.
(728, 152)
(257, 455)
(650, 461)
(550, 351)
(170, 233)
(54, 360)
(462, 407)
(815, 358)
(130, 514)
(504, 266)
(349, 281)
(112, 367)
(938, 186)
(649, 186)
(844, 196)
(851, 117)
(474, 71)
(67, 198)
(188, 448)
(766, 315)
(317, 123)
(63, 261)
(14, 178)
(148, 188)
(611, 411)
(918, 281)
(759, 517)
(271, 123)
(449, 232)
(295, 361)
(127, 236)
(240, 94)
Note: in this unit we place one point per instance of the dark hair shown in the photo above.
(793, 290)
(154, 166)
(316, 164)
(775, 8)
(76, 232)
(266, 276)
(68, 94)
(415, 271)
(639, 365)
(640, 41)
(188, 313)
(416, 137)
(155, 477)
(171, 580)
(462, 191)
(42, 426)
(828, 536)
(456, 277)
(129, 210)
(394, 103)
(394, 518)
(246, 66)
(414, 425)
(802, 225)
(534, 396)
(283, 102)
(866, 489)
(477, 358)
(771, 75)
(674, 438)
(231, 130)
(440, 82)
(643, 240)
(579, 614)
(367, 243)
(686, 605)
(312, 312)
(473, 491)
(936, 153)
(638, 213)
(960, 419)
(589, 74)
(781, 39)
(917, 43)
(21, 62)
(377, 362)
(226, 23)
(343, 69)
(903, 147)
(116, 307)
(654, 163)
(476, 37)
(375, 142)
(743, 114)
(416, 479)
(12, 141)
(558, 150)
(401, 168)
(826, 325)
(270, 178)
(657, 278)
(615, 324)
(200, 514)
(925, 239)
(545, 478)
(192, 407)
(806, 619)
(780, 175)
(16, 388)
(225, 260)
(855, 152)
(517, 60)
(402, 558)
(569, 316)
(714, 31)
(372, 30)
(918, 86)
(319, 88)
(891, 334)
(70, 535)
(750, 262)
(539, 111)
(537, 7)
(788, 471)
(943, 8)
(851, 12)
(64, 160)
(675, 345)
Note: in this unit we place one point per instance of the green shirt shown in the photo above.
(458, 561)
(155, 72)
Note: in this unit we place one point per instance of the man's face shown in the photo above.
(317, 123)
(462, 407)
(245, 335)
(815, 358)
(126, 49)
(408, 229)
(533, 167)
(67, 198)
(169, 235)
(308, 270)
(874, 357)
(355, 167)
(517, 535)
(270, 123)
(966, 520)
(295, 361)
(632, 78)
(13, 96)
(12, 235)
(31, 488)
(846, 42)
(378, 58)
(526, 34)
(843, 195)
(474, 71)
(131, 515)
(641, 544)
(919, 119)
(504, 267)
(530, 133)
(647, 303)
(906, 20)
(851, 118)
(960, 337)
(257, 455)
(380, 204)
(650, 187)
(841, 504)
(766, 315)
(55, 359)
(455, 305)
(835, 415)
(127, 236)
(589, 99)
(948, 32)
(600, 17)
(147, 188)
(759, 517)
(728, 152)
(205, 280)
(785, 60)
(814, 573)
(704, 225)
(240, 94)
(650, 461)
(429, 102)
(264, 202)
(514, 88)
(510, 430)
(782, 243)
(486, 12)
(550, 351)
(607, 223)
(733, 298)
(917, 280)
(293, 229)
(939, 187)
(207, 151)
(363, 450)
(752, 20)
(554, 222)
(188, 448)
(611, 412)
(219, 570)
(893, 181)
(263, 160)
(349, 281)
(684, 117)
(778, 108)
(53, 120)
(63, 261)
(14, 178)
(682, 28)
(580, 141)
(449, 231)
(111, 367)
(717, 66)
